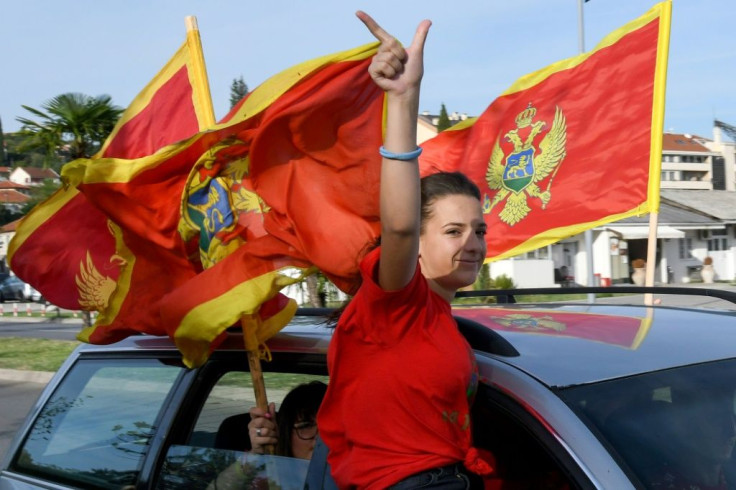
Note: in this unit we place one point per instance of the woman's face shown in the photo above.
(303, 436)
(452, 246)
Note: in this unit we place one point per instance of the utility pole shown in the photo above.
(588, 233)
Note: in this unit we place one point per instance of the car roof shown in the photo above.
(570, 344)
(561, 345)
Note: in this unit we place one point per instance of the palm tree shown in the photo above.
(74, 124)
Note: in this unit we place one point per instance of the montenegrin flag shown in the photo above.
(284, 186)
(570, 147)
(79, 258)
(618, 330)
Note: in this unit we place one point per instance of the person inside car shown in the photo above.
(402, 377)
(292, 436)
(294, 430)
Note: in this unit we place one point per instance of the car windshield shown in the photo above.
(672, 428)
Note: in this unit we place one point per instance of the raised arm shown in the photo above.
(399, 72)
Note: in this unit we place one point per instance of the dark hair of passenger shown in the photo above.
(300, 404)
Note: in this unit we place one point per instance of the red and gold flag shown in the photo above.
(619, 330)
(79, 258)
(288, 183)
(569, 147)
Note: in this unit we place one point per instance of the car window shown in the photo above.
(218, 469)
(94, 431)
(217, 447)
(672, 429)
(522, 450)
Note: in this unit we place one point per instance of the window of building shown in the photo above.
(686, 247)
(717, 244)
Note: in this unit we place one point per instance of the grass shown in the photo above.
(34, 354)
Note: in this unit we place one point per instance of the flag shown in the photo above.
(570, 147)
(285, 185)
(623, 331)
(79, 258)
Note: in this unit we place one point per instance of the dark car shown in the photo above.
(12, 288)
(572, 395)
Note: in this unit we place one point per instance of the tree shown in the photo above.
(238, 90)
(40, 194)
(72, 124)
(444, 121)
(3, 157)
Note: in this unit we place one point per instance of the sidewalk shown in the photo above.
(42, 377)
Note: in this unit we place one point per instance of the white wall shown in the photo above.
(526, 273)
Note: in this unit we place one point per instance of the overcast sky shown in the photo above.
(475, 50)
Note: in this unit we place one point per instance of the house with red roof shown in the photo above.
(33, 175)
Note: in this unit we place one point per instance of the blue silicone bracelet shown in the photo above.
(409, 155)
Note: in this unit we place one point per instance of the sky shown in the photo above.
(475, 49)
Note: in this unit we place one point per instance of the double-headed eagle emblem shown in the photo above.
(519, 178)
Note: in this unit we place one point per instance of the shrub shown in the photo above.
(503, 282)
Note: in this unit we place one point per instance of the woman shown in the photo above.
(296, 431)
(402, 378)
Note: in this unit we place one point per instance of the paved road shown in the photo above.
(18, 394)
(34, 328)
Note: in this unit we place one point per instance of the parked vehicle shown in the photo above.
(571, 395)
(12, 288)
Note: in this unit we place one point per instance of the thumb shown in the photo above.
(420, 37)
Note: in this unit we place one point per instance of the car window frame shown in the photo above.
(537, 430)
(161, 422)
(185, 414)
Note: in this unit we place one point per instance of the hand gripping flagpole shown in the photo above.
(249, 325)
(206, 116)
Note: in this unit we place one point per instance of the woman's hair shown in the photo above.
(300, 404)
(434, 186)
(442, 184)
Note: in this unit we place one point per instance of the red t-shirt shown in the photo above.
(402, 379)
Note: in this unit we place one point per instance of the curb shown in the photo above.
(25, 376)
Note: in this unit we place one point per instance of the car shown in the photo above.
(572, 395)
(31, 293)
(12, 288)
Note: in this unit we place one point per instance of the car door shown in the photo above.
(95, 425)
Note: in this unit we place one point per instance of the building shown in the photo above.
(697, 219)
(33, 176)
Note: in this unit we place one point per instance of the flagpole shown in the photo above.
(249, 323)
(199, 74)
(655, 152)
(588, 234)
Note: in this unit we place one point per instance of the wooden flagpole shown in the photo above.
(651, 256)
(206, 116)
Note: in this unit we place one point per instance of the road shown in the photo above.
(18, 396)
(39, 330)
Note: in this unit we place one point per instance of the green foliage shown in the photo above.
(238, 90)
(69, 126)
(444, 120)
(7, 215)
(17, 156)
(484, 280)
(3, 153)
(503, 282)
(39, 194)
